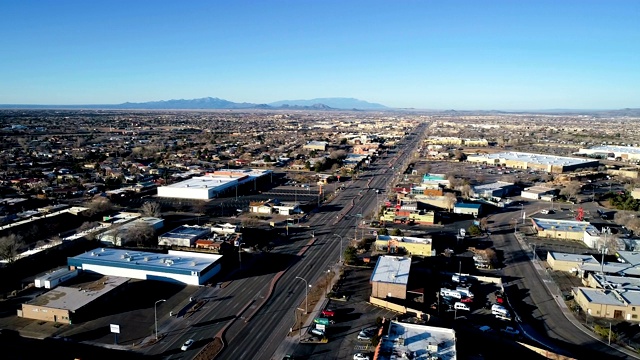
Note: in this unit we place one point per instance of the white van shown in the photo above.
(461, 306)
(500, 310)
(503, 317)
(465, 291)
(451, 293)
(458, 278)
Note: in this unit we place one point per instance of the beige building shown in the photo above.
(568, 262)
(390, 277)
(609, 303)
(408, 245)
(68, 304)
(635, 193)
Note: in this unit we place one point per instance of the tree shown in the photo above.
(474, 230)
(450, 200)
(141, 233)
(571, 189)
(99, 205)
(88, 225)
(459, 155)
(466, 191)
(483, 223)
(383, 231)
(350, 255)
(10, 246)
(151, 209)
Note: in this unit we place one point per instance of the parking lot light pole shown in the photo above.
(155, 314)
(340, 246)
(306, 294)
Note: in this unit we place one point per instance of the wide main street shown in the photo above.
(257, 308)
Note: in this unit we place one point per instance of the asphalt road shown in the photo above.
(255, 322)
(537, 308)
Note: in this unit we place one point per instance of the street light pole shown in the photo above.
(155, 314)
(306, 293)
(340, 246)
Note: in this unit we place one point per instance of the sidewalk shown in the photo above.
(290, 343)
(557, 296)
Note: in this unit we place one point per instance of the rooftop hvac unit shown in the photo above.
(193, 263)
(146, 258)
(102, 250)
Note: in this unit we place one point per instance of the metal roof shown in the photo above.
(577, 258)
(186, 232)
(535, 158)
(73, 298)
(629, 257)
(565, 225)
(392, 269)
(617, 149)
(176, 262)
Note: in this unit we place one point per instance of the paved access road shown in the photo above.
(542, 319)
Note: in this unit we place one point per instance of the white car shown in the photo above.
(363, 335)
(360, 356)
(187, 344)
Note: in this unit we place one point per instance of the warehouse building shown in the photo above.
(184, 235)
(538, 193)
(520, 160)
(626, 153)
(390, 277)
(183, 267)
(120, 235)
(71, 304)
(213, 184)
(620, 304)
(498, 189)
(468, 209)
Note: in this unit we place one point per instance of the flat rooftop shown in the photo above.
(74, 298)
(392, 269)
(186, 232)
(418, 342)
(404, 239)
(492, 186)
(577, 258)
(600, 296)
(617, 149)
(204, 182)
(617, 282)
(536, 158)
(174, 261)
(565, 225)
(629, 257)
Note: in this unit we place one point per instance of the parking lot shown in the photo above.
(351, 316)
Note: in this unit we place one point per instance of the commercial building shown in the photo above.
(412, 341)
(183, 267)
(405, 216)
(568, 262)
(120, 235)
(620, 304)
(568, 230)
(626, 153)
(390, 277)
(538, 192)
(498, 189)
(316, 145)
(53, 279)
(406, 245)
(468, 209)
(520, 160)
(213, 184)
(184, 235)
(71, 304)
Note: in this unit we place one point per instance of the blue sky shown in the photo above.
(424, 54)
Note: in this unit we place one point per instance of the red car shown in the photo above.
(328, 313)
(499, 299)
(466, 300)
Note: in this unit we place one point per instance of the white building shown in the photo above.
(212, 184)
(418, 342)
(537, 192)
(177, 266)
(520, 160)
(628, 153)
(184, 235)
(55, 278)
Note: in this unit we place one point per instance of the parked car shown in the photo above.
(360, 356)
(328, 313)
(187, 344)
(466, 299)
(317, 332)
(364, 335)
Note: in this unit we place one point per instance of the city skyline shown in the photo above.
(427, 55)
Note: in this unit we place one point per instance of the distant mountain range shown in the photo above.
(209, 103)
